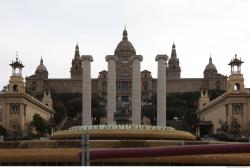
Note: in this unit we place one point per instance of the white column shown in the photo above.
(161, 89)
(136, 90)
(111, 89)
(86, 89)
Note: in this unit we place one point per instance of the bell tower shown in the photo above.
(76, 68)
(236, 79)
(173, 71)
(16, 83)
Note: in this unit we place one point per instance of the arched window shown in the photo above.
(237, 87)
(15, 88)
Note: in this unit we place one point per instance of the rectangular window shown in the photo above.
(15, 108)
(124, 86)
(124, 98)
(237, 108)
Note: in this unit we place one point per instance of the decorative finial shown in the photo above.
(173, 46)
(210, 59)
(16, 55)
(125, 33)
(41, 60)
(77, 47)
(235, 55)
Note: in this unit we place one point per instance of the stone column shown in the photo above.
(161, 89)
(7, 116)
(136, 90)
(86, 89)
(111, 89)
(21, 119)
(245, 126)
(230, 114)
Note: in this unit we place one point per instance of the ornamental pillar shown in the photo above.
(111, 88)
(136, 90)
(161, 89)
(86, 89)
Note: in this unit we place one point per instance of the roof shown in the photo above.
(221, 98)
(145, 71)
(125, 45)
(31, 99)
(235, 61)
(17, 64)
(210, 65)
(41, 67)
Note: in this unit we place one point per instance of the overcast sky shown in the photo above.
(51, 29)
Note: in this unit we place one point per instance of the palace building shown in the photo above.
(122, 73)
(17, 108)
(228, 113)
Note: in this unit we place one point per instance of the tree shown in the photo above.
(234, 127)
(3, 131)
(183, 106)
(39, 124)
(98, 107)
(60, 111)
(74, 106)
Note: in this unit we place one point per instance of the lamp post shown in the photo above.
(85, 149)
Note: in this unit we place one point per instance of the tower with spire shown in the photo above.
(16, 83)
(76, 68)
(173, 69)
(236, 79)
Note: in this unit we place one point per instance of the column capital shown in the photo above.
(111, 57)
(139, 57)
(87, 57)
(164, 57)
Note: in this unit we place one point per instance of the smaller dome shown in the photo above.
(41, 67)
(210, 65)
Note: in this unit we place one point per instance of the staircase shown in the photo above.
(179, 125)
(70, 123)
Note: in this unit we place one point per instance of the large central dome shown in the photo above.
(125, 46)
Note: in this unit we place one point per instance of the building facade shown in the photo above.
(17, 108)
(124, 55)
(230, 111)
